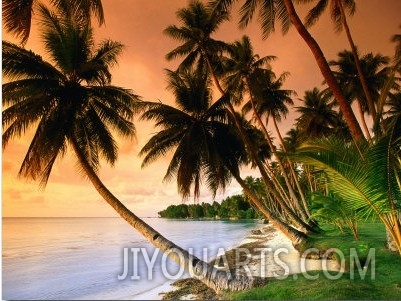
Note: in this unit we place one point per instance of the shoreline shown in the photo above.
(279, 259)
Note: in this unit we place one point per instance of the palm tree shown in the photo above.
(338, 9)
(392, 79)
(284, 11)
(245, 72)
(318, 117)
(375, 76)
(206, 144)
(273, 102)
(17, 15)
(366, 178)
(198, 24)
(201, 49)
(394, 104)
(197, 132)
(71, 103)
(292, 140)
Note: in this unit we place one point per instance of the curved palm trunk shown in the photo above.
(214, 278)
(362, 78)
(295, 218)
(268, 139)
(300, 223)
(301, 193)
(345, 108)
(364, 125)
(280, 138)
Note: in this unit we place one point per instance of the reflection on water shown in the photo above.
(80, 258)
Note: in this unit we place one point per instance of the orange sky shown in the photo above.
(139, 24)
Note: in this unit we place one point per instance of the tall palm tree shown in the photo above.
(284, 11)
(318, 117)
(70, 102)
(245, 73)
(202, 50)
(198, 24)
(272, 102)
(375, 73)
(338, 10)
(17, 15)
(206, 144)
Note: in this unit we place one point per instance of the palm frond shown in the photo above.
(17, 17)
(362, 183)
(19, 63)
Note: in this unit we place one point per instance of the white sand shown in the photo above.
(279, 258)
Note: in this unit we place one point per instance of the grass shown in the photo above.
(384, 284)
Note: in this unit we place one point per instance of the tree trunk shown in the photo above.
(345, 108)
(280, 163)
(214, 278)
(362, 78)
(293, 234)
(301, 193)
(364, 125)
(255, 158)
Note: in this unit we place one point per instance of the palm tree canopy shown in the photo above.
(292, 140)
(318, 117)
(67, 98)
(394, 104)
(198, 24)
(335, 12)
(204, 144)
(269, 11)
(17, 15)
(373, 67)
(243, 67)
(272, 101)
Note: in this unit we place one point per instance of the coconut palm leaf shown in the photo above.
(362, 177)
(204, 146)
(17, 15)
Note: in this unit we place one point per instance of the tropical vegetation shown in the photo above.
(328, 169)
(233, 207)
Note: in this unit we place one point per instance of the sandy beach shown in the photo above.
(269, 254)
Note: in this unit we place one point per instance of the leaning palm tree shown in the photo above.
(338, 10)
(245, 73)
(17, 15)
(206, 144)
(375, 74)
(71, 104)
(284, 11)
(199, 48)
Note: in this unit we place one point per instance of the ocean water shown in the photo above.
(81, 258)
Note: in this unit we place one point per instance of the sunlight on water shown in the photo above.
(80, 258)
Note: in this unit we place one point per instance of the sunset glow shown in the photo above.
(139, 25)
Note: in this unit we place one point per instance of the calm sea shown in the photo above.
(81, 258)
